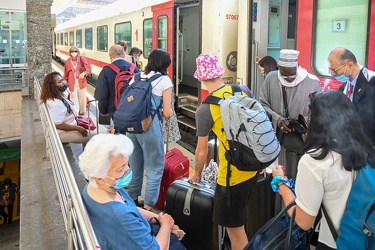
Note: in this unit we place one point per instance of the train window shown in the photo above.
(338, 24)
(147, 37)
(102, 37)
(66, 38)
(292, 13)
(71, 38)
(57, 38)
(79, 38)
(123, 33)
(61, 39)
(163, 32)
(88, 38)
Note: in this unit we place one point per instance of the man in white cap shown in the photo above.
(297, 84)
(241, 183)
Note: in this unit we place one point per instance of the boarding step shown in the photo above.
(187, 121)
(187, 100)
(188, 111)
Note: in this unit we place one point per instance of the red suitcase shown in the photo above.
(176, 165)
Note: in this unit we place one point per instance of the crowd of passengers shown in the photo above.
(338, 142)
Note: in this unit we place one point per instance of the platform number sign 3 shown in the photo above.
(338, 25)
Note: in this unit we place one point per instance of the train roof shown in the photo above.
(114, 9)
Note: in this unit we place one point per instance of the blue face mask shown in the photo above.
(124, 181)
(137, 59)
(342, 77)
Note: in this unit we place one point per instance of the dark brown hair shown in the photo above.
(49, 88)
(123, 44)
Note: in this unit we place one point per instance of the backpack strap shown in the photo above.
(150, 80)
(213, 100)
(132, 68)
(113, 67)
(154, 77)
(137, 76)
(329, 221)
(117, 69)
(236, 90)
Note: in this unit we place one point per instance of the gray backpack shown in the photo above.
(253, 145)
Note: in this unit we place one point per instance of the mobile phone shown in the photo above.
(181, 233)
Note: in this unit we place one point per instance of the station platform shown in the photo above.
(41, 224)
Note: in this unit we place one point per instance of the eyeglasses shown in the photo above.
(335, 70)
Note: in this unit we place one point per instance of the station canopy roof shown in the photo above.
(69, 9)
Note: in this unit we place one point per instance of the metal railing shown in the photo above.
(13, 79)
(80, 234)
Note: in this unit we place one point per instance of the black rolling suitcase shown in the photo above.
(261, 206)
(191, 206)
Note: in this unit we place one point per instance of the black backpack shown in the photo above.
(133, 114)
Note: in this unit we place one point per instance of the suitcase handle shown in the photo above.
(199, 184)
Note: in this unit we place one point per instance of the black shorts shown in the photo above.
(236, 214)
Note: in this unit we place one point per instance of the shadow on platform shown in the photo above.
(10, 236)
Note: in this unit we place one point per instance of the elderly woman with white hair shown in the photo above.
(118, 223)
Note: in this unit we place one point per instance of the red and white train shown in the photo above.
(235, 30)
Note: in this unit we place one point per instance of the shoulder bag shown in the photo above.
(82, 121)
(83, 69)
(293, 140)
(281, 232)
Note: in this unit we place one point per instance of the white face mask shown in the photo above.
(74, 54)
(285, 82)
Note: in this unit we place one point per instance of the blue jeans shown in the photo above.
(148, 155)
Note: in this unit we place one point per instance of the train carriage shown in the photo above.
(235, 30)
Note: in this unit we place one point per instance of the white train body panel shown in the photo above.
(219, 34)
(110, 15)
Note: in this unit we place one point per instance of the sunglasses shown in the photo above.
(74, 51)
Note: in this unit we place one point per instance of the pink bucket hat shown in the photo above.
(208, 67)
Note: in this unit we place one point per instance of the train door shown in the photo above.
(216, 32)
(272, 24)
(162, 29)
(187, 48)
(188, 24)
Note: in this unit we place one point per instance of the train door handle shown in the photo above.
(182, 56)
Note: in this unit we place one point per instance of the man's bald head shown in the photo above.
(116, 51)
(343, 55)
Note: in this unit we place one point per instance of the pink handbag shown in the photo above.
(85, 122)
